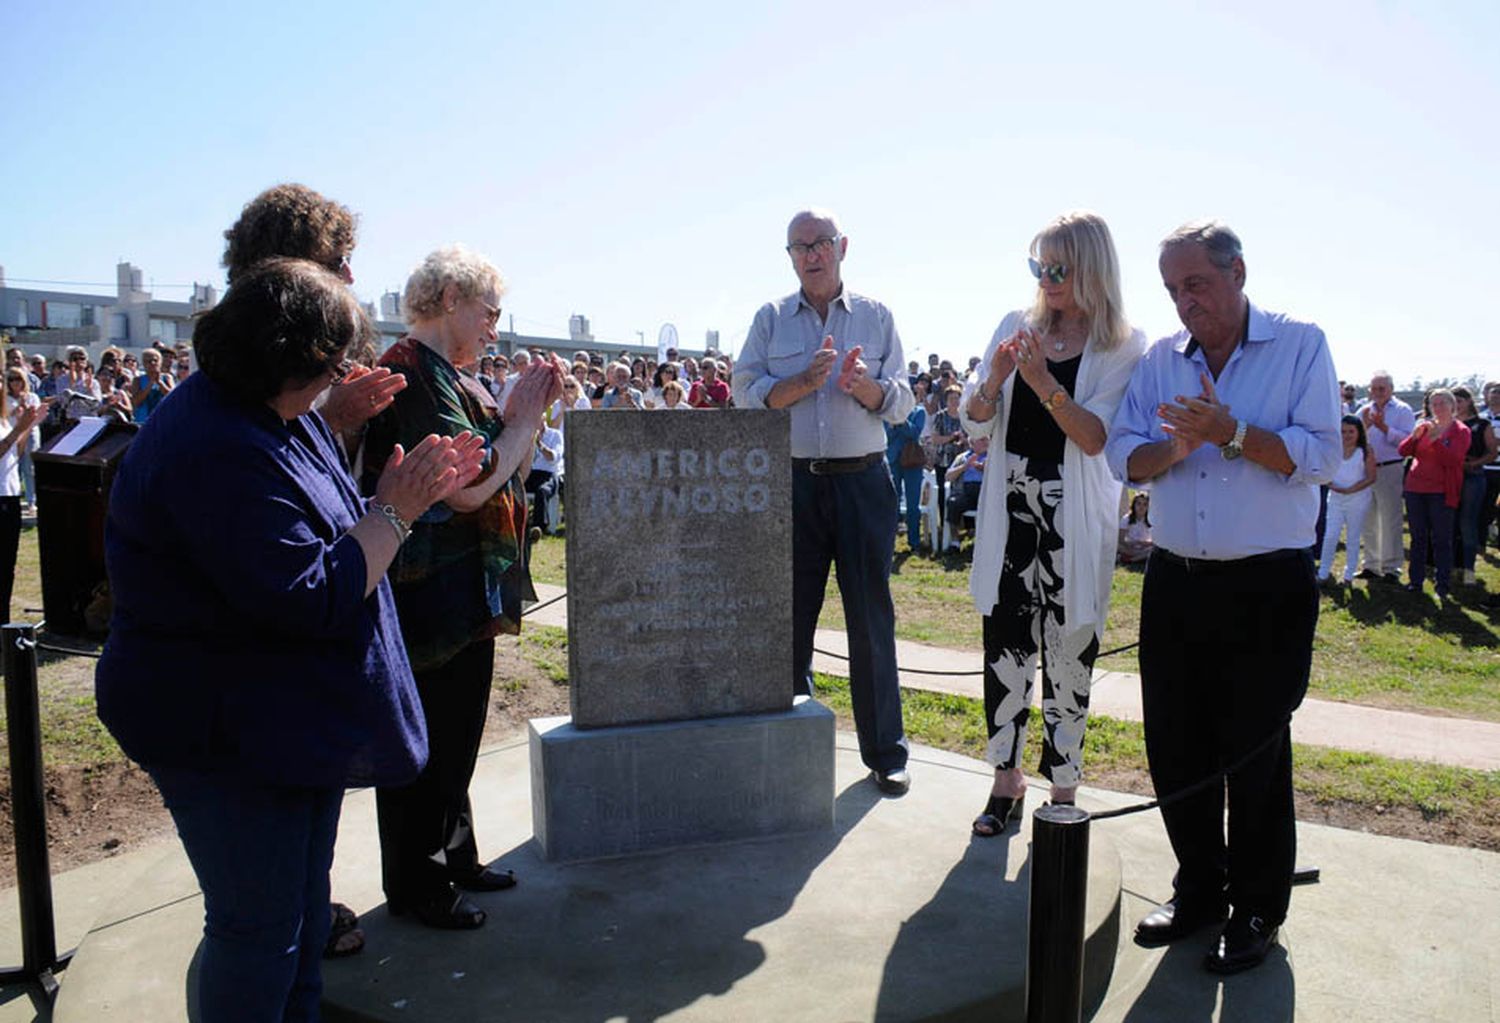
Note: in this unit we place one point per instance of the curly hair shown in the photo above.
(289, 220)
(284, 322)
(469, 272)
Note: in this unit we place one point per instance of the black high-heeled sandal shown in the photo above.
(446, 910)
(997, 815)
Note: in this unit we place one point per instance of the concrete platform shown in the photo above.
(1396, 930)
(895, 914)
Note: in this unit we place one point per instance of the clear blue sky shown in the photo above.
(637, 163)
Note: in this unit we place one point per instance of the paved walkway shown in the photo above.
(1459, 742)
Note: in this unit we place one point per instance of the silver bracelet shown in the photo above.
(400, 525)
(979, 396)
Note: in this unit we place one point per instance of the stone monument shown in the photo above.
(684, 729)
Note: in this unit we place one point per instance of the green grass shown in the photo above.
(546, 646)
(1111, 747)
(1376, 644)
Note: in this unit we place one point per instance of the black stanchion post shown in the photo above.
(1059, 897)
(23, 729)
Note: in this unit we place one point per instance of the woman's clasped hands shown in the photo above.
(415, 480)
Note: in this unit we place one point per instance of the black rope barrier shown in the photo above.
(53, 649)
(1220, 776)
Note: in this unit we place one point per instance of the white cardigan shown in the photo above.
(1091, 496)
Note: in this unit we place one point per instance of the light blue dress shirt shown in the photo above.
(1281, 379)
(827, 423)
(1400, 421)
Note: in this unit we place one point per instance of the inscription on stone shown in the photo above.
(679, 565)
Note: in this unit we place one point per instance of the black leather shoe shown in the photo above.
(894, 782)
(444, 909)
(483, 879)
(1245, 943)
(1165, 924)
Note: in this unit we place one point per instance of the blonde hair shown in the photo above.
(1081, 241)
(469, 272)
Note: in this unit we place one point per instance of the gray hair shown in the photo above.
(1381, 375)
(814, 213)
(1216, 237)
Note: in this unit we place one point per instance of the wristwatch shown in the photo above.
(1055, 400)
(1235, 447)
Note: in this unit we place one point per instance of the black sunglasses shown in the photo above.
(1054, 272)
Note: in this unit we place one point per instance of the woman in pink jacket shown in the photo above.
(1433, 484)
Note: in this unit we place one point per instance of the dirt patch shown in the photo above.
(104, 809)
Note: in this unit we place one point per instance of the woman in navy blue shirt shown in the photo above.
(255, 666)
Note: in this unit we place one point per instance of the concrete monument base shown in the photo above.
(600, 792)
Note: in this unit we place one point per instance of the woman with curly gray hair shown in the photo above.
(461, 579)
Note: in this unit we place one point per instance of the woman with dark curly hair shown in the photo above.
(293, 220)
(286, 679)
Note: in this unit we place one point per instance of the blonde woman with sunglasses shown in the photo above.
(1045, 537)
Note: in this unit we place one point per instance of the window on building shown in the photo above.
(64, 315)
(164, 331)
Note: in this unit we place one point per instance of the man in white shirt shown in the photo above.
(1388, 420)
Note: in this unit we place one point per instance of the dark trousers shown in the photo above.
(426, 828)
(1487, 510)
(963, 497)
(845, 521)
(1225, 655)
(262, 855)
(10, 544)
(541, 485)
(1430, 519)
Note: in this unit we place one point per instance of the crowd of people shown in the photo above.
(1434, 474)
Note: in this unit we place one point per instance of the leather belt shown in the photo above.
(1227, 564)
(837, 466)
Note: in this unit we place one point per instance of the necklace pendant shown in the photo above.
(1058, 346)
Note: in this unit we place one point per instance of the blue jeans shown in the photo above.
(1427, 515)
(910, 483)
(262, 855)
(845, 520)
(1470, 508)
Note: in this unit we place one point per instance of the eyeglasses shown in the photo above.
(338, 371)
(822, 246)
(491, 311)
(1054, 272)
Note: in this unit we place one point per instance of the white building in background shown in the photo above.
(46, 321)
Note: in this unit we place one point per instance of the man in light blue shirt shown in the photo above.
(1388, 420)
(834, 359)
(1233, 424)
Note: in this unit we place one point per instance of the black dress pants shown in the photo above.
(10, 545)
(426, 828)
(1225, 653)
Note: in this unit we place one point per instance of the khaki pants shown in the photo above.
(1383, 551)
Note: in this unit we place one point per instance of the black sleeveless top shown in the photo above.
(1031, 431)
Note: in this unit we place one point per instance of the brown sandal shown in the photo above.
(344, 936)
